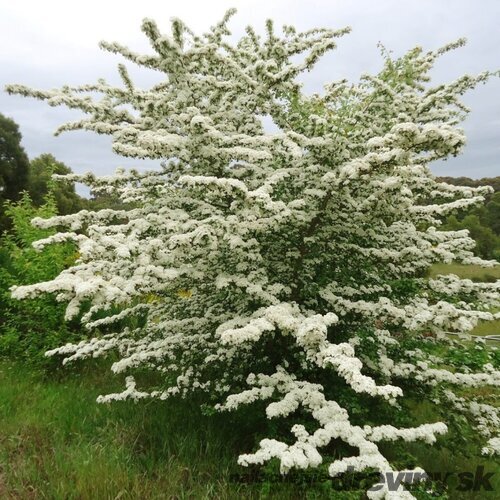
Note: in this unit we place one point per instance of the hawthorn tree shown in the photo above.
(284, 268)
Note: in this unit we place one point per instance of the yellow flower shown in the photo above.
(184, 293)
(151, 298)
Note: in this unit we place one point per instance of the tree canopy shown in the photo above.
(40, 182)
(14, 164)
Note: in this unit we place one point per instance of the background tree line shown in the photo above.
(19, 175)
(483, 222)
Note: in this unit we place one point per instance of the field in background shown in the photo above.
(473, 273)
(467, 271)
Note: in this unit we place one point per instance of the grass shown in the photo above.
(57, 443)
(474, 273)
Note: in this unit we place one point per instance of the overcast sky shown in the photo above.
(49, 43)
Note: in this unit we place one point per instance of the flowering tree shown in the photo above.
(289, 267)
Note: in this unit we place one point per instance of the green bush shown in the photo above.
(29, 328)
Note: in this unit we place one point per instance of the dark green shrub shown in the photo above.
(29, 328)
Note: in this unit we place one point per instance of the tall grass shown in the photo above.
(57, 443)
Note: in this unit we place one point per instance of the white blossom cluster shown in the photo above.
(333, 423)
(254, 264)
